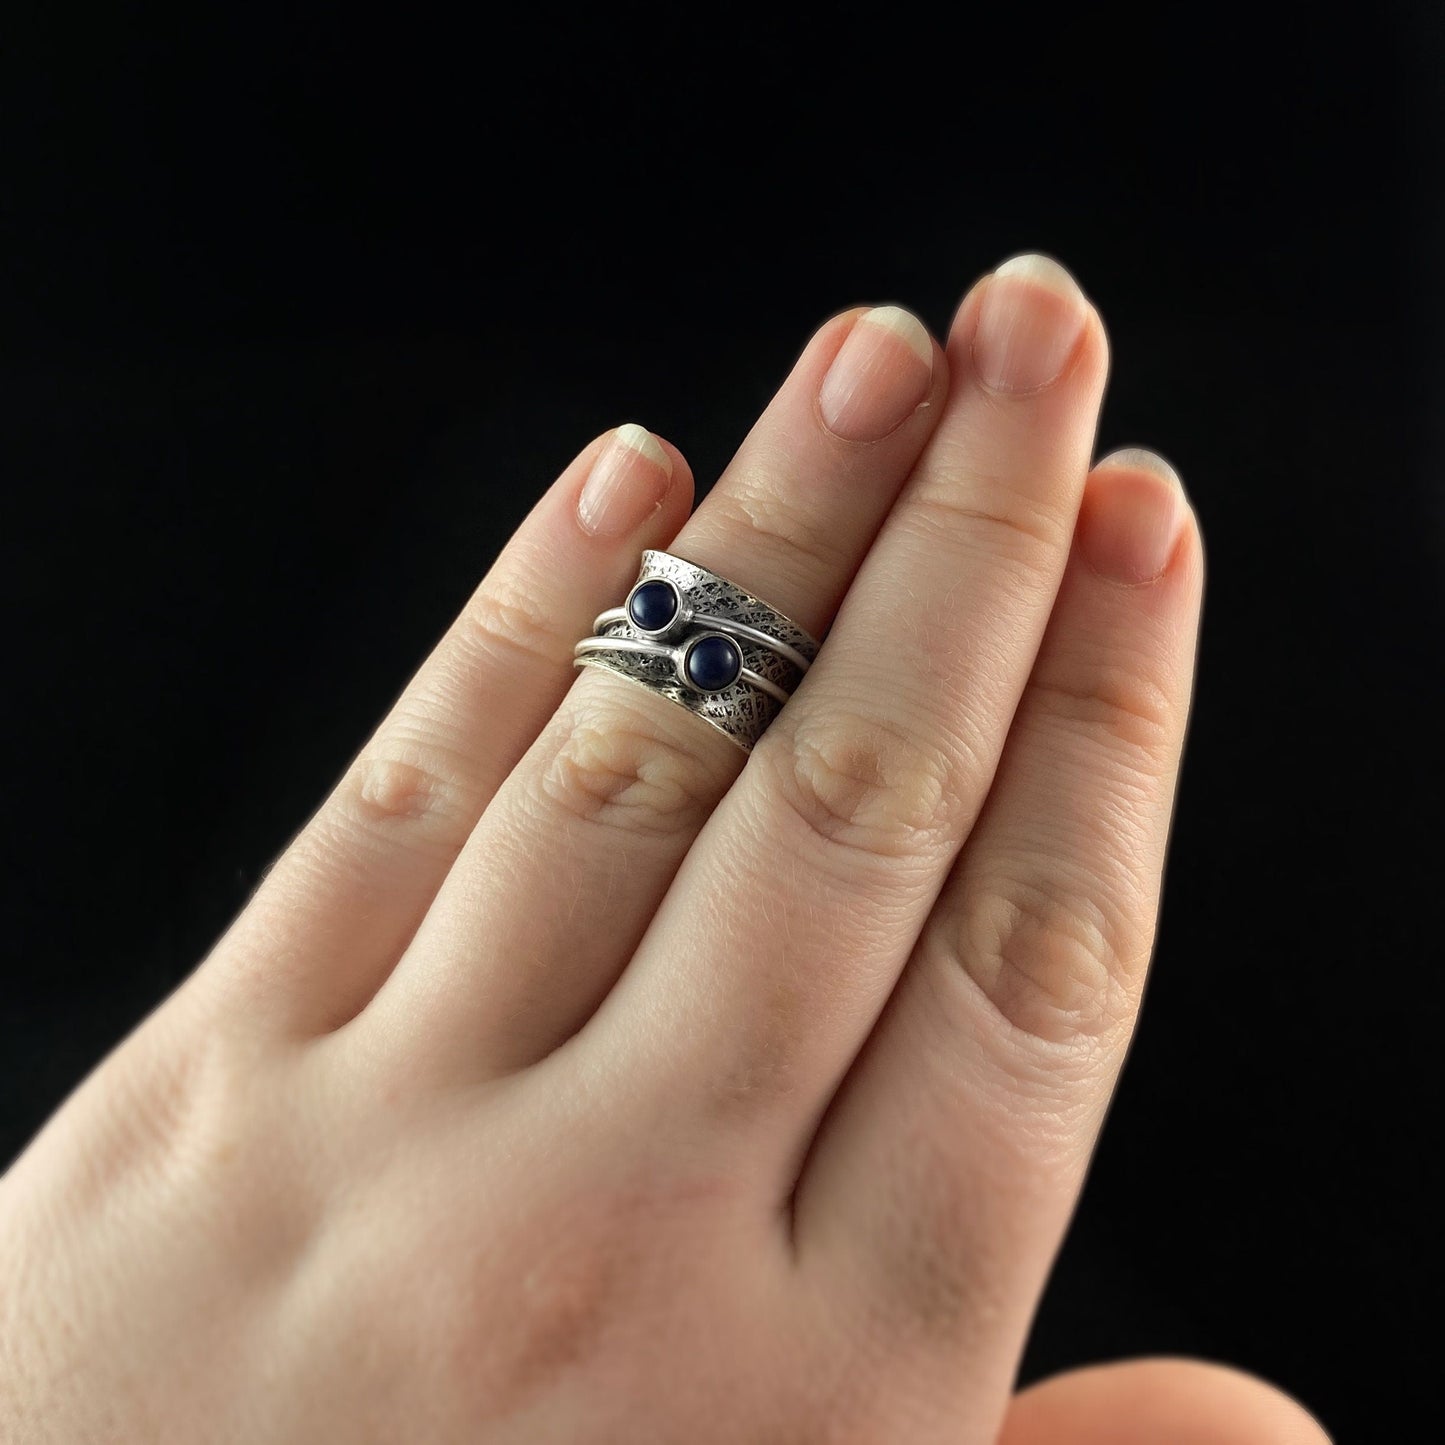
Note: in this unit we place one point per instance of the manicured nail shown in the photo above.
(1132, 515)
(627, 483)
(881, 375)
(1029, 323)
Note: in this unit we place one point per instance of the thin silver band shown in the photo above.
(661, 649)
(730, 625)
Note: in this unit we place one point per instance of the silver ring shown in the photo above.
(704, 643)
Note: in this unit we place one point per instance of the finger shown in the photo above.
(945, 1172)
(336, 911)
(1144, 1402)
(569, 861)
(817, 873)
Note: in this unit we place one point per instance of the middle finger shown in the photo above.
(817, 872)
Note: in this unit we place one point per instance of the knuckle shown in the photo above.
(401, 782)
(866, 785)
(181, 1125)
(937, 1291)
(617, 769)
(762, 1068)
(946, 1258)
(580, 1261)
(1029, 535)
(782, 530)
(1055, 963)
(565, 1298)
(147, 1109)
(1119, 705)
(506, 617)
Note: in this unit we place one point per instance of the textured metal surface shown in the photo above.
(742, 712)
(634, 648)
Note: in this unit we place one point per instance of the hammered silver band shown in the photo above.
(703, 643)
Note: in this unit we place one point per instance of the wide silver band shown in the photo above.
(775, 651)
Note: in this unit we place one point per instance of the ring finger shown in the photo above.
(618, 784)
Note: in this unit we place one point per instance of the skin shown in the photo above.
(566, 1080)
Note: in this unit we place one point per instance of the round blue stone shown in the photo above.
(712, 664)
(652, 606)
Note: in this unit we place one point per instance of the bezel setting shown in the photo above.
(684, 653)
(681, 613)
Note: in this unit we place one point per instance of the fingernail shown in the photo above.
(1132, 516)
(627, 483)
(880, 376)
(1029, 323)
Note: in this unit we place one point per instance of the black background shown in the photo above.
(299, 317)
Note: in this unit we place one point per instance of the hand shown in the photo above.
(567, 1081)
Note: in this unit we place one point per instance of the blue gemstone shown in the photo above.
(652, 606)
(713, 663)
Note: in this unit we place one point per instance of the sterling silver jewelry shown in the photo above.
(703, 643)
